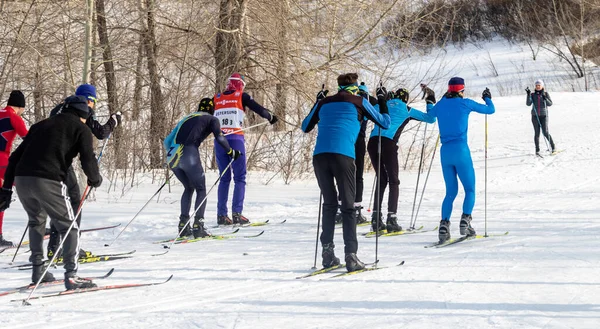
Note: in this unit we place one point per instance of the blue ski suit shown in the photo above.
(452, 113)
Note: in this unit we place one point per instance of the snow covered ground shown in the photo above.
(544, 274)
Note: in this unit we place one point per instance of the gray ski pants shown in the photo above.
(41, 197)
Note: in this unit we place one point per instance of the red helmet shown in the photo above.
(236, 82)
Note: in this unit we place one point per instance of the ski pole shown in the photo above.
(243, 129)
(486, 167)
(412, 225)
(318, 227)
(19, 245)
(426, 179)
(73, 222)
(372, 190)
(143, 207)
(196, 210)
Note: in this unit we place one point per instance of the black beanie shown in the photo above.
(77, 105)
(16, 99)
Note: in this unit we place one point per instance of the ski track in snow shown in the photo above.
(544, 274)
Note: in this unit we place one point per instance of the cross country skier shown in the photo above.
(400, 114)
(39, 168)
(11, 125)
(230, 109)
(184, 160)
(101, 132)
(360, 149)
(452, 113)
(339, 118)
(539, 101)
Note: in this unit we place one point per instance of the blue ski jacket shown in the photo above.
(339, 118)
(400, 114)
(452, 113)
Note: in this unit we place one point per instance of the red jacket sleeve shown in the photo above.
(18, 124)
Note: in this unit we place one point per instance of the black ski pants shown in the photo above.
(360, 148)
(389, 172)
(190, 173)
(332, 169)
(75, 196)
(543, 123)
(41, 198)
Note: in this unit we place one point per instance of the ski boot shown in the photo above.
(465, 225)
(353, 263)
(5, 243)
(37, 272)
(238, 218)
(329, 259)
(85, 254)
(72, 282)
(198, 229)
(183, 223)
(224, 220)
(444, 231)
(374, 219)
(360, 219)
(392, 223)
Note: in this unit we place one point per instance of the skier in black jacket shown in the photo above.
(539, 101)
(101, 132)
(39, 168)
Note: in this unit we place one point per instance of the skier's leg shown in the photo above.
(344, 172)
(239, 176)
(536, 130)
(391, 168)
(223, 190)
(544, 122)
(188, 190)
(449, 172)
(466, 174)
(325, 179)
(359, 151)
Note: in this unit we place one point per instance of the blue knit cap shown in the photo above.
(88, 91)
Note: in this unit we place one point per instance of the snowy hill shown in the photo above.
(544, 274)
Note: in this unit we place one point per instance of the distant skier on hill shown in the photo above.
(539, 101)
(452, 112)
(184, 160)
(339, 118)
(400, 114)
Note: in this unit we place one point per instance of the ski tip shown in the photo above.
(285, 220)
(110, 272)
(401, 263)
(261, 233)
(162, 253)
(169, 279)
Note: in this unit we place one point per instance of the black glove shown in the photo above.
(322, 94)
(117, 118)
(486, 93)
(95, 184)
(234, 154)
(528, 91)
(430, 98)
(545, 94)
(273, 119)
(381, 92)
(5, 198)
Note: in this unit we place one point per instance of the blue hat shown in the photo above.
(88, 91)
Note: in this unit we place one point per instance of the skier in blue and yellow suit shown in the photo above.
(452, 113)
(184, 160)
